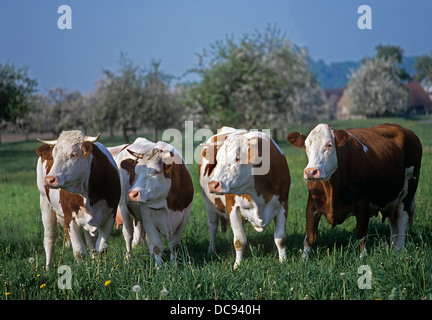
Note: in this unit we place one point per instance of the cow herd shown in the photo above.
(244, 176)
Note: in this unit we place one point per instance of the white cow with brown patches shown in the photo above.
(79, 187)
(236, 189)
(157, 190)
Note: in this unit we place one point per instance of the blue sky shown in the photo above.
(173, 31)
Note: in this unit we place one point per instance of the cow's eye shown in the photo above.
(329, 145)
(238, 158)
(156, 172)
(73, 155)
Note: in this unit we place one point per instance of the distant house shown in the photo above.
(333, 96)
(419, 103)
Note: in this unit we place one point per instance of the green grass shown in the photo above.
(197, 275)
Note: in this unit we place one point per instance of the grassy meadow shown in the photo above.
(332, 271)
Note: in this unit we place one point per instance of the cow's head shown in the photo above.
(71, 156)
(234, 164)
(152, 175)
(320, 147)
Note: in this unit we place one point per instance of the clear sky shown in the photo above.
(173, 31)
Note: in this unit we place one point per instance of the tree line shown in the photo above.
(261, 80)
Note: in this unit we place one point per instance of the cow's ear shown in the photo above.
(45, 152)
(86, 148)
(296, 139)
(169, 159)
(128, 165)
(253, 150)
(341, 137)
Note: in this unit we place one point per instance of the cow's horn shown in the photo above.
(48, 142)
(91, 139)
(136, 154)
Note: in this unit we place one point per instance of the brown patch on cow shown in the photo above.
(129, 165)
(277, 181)
(70, 203)
(45, 153)
(219, 205)
(282, 243)
(86, 147)
(181, 192)
(238, 245)
(104, 181)
(157, 250)
(229, 202)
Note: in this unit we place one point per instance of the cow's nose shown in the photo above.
(311, 173)
(50, 181)
(214, 186)
(134, 195)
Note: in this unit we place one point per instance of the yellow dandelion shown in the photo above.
(38, 275)
(107, 282)
(7, 293)
(42, 285)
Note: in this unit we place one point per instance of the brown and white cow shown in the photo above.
(157, 190)
(360, 172)
(234, 189)
(79, 187)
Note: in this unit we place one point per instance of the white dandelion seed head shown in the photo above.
(136, 288)
(164, 292)
(31, 260)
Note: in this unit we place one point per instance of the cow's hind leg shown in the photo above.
(362, 216)
(212, 226)
(404, 212)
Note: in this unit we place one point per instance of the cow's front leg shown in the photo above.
(312, 222)
(104, 234)
(239, 235)
(50, 225)
(176, 237)
(91, 242)
(78, 245)
(154, 238)
(280, 234)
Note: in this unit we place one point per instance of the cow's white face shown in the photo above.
(233, 171)
(151, 187)
(321, 153)
(71, 163)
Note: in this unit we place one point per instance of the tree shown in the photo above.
(394, 53)
(159, 103)
(121, 102)
(376, 89)
(260, 81)
(17, 91)
(423, 67)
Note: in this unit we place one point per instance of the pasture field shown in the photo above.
(332, 271)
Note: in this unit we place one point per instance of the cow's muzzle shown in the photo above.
(311, 174)
(214, 186)
(134, 195)
(51, 182)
